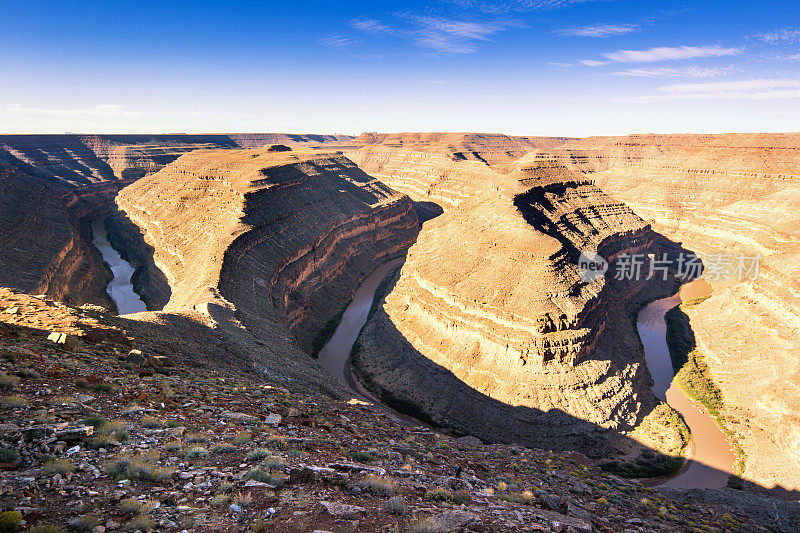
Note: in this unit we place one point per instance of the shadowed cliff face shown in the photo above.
(727, 193)
(282, 237)
(54, 185)
(490, 301)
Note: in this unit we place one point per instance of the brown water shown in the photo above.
(711, 459)
(335, 354)
(120, 288)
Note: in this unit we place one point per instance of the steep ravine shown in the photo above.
(280, 239)
(490, 331)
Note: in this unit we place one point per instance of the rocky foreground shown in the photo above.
(112, 424)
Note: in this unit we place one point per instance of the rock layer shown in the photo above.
(282, 236)
(735, 193)
(490, 313)
(53, 185)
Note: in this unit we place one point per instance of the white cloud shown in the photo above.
(338, 41)
(756, 89)
(508, 6)
(671, 72)
(598, 30)
(727, 86)
(667, 53)
(592, 62)
(442, 35)
(785, 35)
(371, 26)
(97, 111)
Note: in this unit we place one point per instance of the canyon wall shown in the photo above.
(734, 194)
(284, 237)
(489, 328)
(54, 185)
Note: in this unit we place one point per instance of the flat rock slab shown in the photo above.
(240, 417)
(273, 419)
(342, 510)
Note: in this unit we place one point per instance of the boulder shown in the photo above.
(342, 510)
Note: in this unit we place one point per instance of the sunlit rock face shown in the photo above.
(54, 185)
(284, 236)
(727, 193)
(489, 328)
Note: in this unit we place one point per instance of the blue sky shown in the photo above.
(535, 67)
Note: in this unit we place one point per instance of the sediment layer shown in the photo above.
(734, 194)
(283, 237)
(490, 312)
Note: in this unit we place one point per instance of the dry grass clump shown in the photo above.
(377, 485)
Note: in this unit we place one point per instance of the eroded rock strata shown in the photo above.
(736, 193)
(53, 184)
(284, 236)
(490, 313)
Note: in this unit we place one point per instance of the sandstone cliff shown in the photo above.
(489, 310)
(284, 236)
(736, 193)
(54, 185)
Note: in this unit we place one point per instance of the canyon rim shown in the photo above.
(533, 266)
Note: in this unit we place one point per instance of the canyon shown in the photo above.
(488, 329)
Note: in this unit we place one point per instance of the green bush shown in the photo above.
(9, 454)
(395, 505)
(58, 466)
(10, 521)
(443, 495)
(257, 454)
(377, 485)
(222, 449)
(7, 382)
(140, 523)
(195, 452)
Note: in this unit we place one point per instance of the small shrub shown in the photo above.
(443, 495)
(9, 454)
(141, 467)
(103, 387)
(47, 528)
(196, 437)
(14, 401)
(225, 487)
(83, 523)
(274, 464)
(377, 485)
(243, 499)
(95, 420)
(243, 437)
(151, 422)
(222, 449)
(81, 383)
(260, 526)
(195, 452)
(257, 454)
(525, 498)
(58, 466)
(219, 500)
(363, 457)
(27, 373)
(277, 443)
(173, 446)
(7, 382)
(140, 523)
(130, 506)
(10, 521)
(395, 505)
(260, 475)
